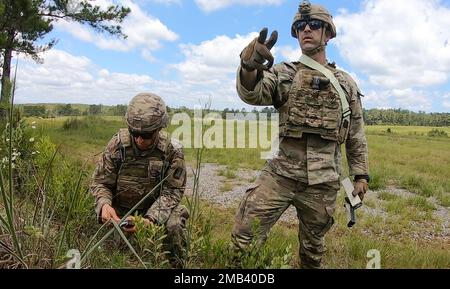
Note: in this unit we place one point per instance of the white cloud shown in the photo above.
(65, 78)
(213, 61)
(374, 98)
(212, 5)
(445, 102)
(288, 53)
(397, 44)
(146, 54)
(208, 72)
(209, 69)
(144, 31)
(410, 99)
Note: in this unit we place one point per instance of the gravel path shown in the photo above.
(228, 192)
(214, 188)
(430, 230)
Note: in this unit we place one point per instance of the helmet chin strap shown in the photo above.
(320, 47)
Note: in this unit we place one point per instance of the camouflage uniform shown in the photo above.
(307, 169)
(125, 174)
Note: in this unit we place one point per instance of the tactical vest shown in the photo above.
(313, 106)
(139, 174)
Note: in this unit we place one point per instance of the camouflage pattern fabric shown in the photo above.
(146, 112)
(125, 174)
(304, 158)
(307, 169)
(313, 106)
(272, 194)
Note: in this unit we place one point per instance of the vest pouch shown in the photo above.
(314, 105)
(298, 108)
(155, 167)
(131, 190)
(331, 111)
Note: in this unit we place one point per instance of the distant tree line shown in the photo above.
(69, 110)
(224, 112)
(371, 116)
(405, 117)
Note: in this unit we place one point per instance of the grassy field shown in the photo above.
(405, 215)
(406, 157)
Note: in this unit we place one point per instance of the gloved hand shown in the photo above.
(258, 52)
(109, 213)
(361, 187)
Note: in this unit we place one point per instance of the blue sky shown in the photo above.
(188, 52)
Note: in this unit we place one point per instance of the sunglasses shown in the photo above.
(144, 135)
(313, 24)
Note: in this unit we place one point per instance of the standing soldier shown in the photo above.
(134, 162)
(320, 109)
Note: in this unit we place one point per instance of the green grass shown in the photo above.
(346, 248)
(407, 157)
(386, 196)
(409, 211)
(418, 164)
(228, 173)
(414, 131)
(401, 158)
(226, 187)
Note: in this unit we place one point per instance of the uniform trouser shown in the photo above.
(272, 194)
(176, 234)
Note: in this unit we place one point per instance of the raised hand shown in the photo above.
(257, 54)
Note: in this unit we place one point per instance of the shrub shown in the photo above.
(74, 123)
(437, 133)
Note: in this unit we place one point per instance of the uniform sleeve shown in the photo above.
(264, 90)
(172, 189)
(105, 175)
(356, 144)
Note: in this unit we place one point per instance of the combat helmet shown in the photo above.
(146, 113)
(306, 11)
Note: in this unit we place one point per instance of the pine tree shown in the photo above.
(24, 22)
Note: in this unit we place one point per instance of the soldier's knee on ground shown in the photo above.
(175, 241)
(177, 220)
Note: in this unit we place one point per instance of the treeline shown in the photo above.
(50, 111)
(371, 116)
(405, 117)
(56, 110)
(267, 110)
